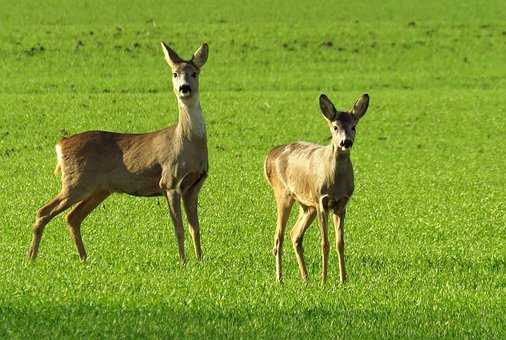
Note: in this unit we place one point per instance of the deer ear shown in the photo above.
(171, 56)
(361, 106)
(327, 108)
(200, 56)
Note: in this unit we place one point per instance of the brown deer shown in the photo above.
(172, 162)
(320, 178)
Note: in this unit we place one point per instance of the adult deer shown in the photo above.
(171, 162)
(320, 178)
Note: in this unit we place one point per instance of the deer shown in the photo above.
(320, 178)
(171, 162)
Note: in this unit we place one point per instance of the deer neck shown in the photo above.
(191, 123)
(337, 160)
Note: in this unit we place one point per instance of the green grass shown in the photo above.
(425, 230)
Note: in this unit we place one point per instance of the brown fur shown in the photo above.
(171, 162)
(320, 179)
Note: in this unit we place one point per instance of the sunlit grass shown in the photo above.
(425, 230)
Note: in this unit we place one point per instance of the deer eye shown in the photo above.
(174, 74)
(194, 74)
(335, 127)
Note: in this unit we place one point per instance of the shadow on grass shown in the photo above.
(161, 320)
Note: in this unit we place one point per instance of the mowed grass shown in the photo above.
(425, 229)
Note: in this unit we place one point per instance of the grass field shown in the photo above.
(425, 230)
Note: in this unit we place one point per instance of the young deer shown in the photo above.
(171, 162)
(320, 178)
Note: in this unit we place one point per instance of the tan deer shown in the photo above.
(172, 162)
(320, 178)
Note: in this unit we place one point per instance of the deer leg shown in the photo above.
(323, 219)
(174, 201)
(284, 205)
(78, 214)
(190, 202)
(338, 218)
(306, 217)
(45, 214)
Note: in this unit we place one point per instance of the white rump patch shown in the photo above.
(59, 158)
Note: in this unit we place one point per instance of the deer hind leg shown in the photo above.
(61, 202)
(190, 201)
(306, 217)
(78, 214)
(284, 205)
(323, 219)
(174, 201)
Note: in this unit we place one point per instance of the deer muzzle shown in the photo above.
(185, 90)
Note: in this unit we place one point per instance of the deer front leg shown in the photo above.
(338, 218)
(174, 201)
(190, 201)
(322, 219)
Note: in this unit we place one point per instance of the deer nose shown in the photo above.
(347, 143)
(184, 88)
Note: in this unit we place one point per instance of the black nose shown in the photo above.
(184, 88)
(347, 143)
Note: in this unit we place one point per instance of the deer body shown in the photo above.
(142, 164)
(171, 162)
(310, 172)
(320, 178)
